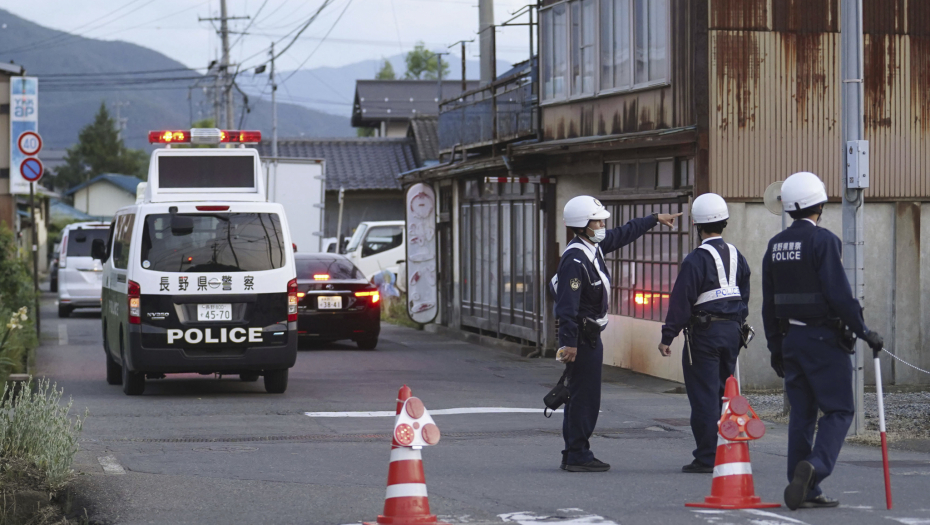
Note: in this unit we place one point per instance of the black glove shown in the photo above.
(778, 364)
(875, 341)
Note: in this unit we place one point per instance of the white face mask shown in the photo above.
(599, 235)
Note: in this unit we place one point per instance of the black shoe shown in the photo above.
(820, 502)
(564, 460)
(796, 491)
(595, 465)
(696, 467)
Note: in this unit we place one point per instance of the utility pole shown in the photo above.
(851, 69)
(120, 122)
(486, 40)
(274, 110)
(439, 76)
(224, 79)
(462, 43)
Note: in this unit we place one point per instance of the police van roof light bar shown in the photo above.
(205, 136)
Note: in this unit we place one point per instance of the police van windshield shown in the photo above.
(79, 241)
(212, 242)
(333, 268)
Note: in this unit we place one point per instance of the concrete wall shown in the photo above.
(102, 199)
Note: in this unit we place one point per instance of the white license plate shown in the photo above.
(214, 312)
(329, 302)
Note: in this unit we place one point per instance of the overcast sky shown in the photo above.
(367, 28)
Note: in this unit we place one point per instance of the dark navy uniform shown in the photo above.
(583, 291)
(805, 289)
(709, 358)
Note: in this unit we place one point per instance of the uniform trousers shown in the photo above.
(580, 416)
(713, 360)
(818, 375)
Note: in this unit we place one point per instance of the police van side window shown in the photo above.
(122, 237)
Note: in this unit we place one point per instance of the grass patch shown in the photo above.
(394, 311)
(38, 441)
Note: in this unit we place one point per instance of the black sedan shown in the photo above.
(335, 301)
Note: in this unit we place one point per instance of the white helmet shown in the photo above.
(802, 190)
(709, 207)
(582, 209)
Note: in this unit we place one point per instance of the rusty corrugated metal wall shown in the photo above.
(775, 97)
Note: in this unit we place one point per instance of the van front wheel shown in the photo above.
(276, 381)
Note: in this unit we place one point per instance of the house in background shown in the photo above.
(389, 105)
(366, 168)
(104, 194)
(424, 132)
(646, 105)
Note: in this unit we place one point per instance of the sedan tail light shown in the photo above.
(373, 294)
(134, 294)
(292, 300)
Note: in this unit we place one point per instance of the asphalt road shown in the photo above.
(197, 449)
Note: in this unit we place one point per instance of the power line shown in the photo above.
(48, 76)
(65, 34)
(251, 21)
(162, 18)
(321, 41)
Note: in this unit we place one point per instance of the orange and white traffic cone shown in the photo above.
(406, 501)
(733, 486)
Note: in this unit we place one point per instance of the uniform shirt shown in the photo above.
(579, 295)
(698, 274)
(827, 261)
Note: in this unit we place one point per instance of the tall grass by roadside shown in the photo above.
(394, 311)
(36, 427)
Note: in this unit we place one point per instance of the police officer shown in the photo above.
(582, 289)
(710, 301)
(809, 313)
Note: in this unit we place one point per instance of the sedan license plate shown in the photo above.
(214, 312)
(329, 302)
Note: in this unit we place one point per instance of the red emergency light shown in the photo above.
(205, 136)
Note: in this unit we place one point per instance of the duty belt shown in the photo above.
(799, 298)
(702, 320)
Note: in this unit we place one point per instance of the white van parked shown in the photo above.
(200, 276)
(79, 275)
(377, 246)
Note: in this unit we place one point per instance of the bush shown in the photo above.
(35, 427)
(16, 291)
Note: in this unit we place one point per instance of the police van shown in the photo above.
(198, 275)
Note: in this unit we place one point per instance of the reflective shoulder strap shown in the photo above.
(721, 273)
(733, 258)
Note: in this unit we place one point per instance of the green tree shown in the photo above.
(100, 150)
(423, 64)
(386, 72)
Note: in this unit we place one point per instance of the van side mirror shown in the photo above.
(98, 249)
(182, 225)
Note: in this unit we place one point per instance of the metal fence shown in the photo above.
(503, 111)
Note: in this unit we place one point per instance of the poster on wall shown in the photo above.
(24, 116)
(422, 296)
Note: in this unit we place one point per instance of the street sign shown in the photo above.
(24, 118)
(31, 169)
(30, 143)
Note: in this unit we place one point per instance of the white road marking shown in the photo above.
(440, 412)
(779, 517)
(574, 517)
(110, 465)
(63, 335)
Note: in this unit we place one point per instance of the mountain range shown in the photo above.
(76, 74)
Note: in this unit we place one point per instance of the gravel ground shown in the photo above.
(907, 414)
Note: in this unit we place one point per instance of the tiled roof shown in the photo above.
(127, 183)
(353, 164)
(378, 100)
(425, 134)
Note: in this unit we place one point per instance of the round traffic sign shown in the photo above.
(29, 143)
(31, 169)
